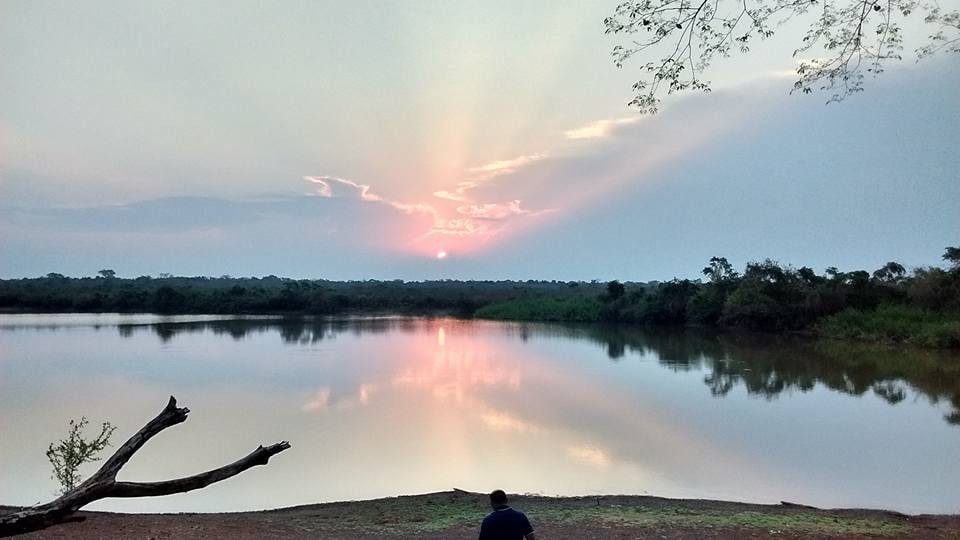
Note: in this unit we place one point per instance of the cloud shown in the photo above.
(336, 187)
(480, 174)
(505, 166)
(332, 186)
(460, 227)
(493, 211)
(479, 219)
(589, 455)
(483, 221)
(457, 194)
(599, 129)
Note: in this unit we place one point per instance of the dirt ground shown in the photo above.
(457, 514)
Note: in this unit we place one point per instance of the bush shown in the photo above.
(942, 335)
(706, 307)
(750, 308)
(69, 454)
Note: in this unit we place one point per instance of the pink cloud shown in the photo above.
(459, 227)
(457, 194)
(493, 211)
(478, 220)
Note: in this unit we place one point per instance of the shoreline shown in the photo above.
(457, 514)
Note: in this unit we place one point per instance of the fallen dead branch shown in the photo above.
(104, 484)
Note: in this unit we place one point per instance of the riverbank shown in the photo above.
(885, 325)
(457, 514)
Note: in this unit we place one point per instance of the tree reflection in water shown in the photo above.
(766, 365)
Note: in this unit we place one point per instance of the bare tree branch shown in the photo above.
(260, 456)
(103, 483)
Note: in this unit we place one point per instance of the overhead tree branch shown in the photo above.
(845, 38)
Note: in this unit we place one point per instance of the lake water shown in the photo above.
(389, 406)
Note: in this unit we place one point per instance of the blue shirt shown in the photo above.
(505, 523)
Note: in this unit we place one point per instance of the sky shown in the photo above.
(431, 140)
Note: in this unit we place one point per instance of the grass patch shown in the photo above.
(802, 523)
(678, 516)
(894, 324)
(577, 309)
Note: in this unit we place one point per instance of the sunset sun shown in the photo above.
(441, 254)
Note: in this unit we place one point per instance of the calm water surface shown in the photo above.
(380, 407)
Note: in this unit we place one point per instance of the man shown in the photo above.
(505, 523)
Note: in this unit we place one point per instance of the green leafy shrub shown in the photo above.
(748, 307)
(69, 454)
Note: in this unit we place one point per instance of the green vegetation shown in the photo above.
(894, 323)
(547, 309)
(69, 454)
(921, 307)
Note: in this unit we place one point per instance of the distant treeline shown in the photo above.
(269, 295)
(890, 304)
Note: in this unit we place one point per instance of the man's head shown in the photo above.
(498, 498)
